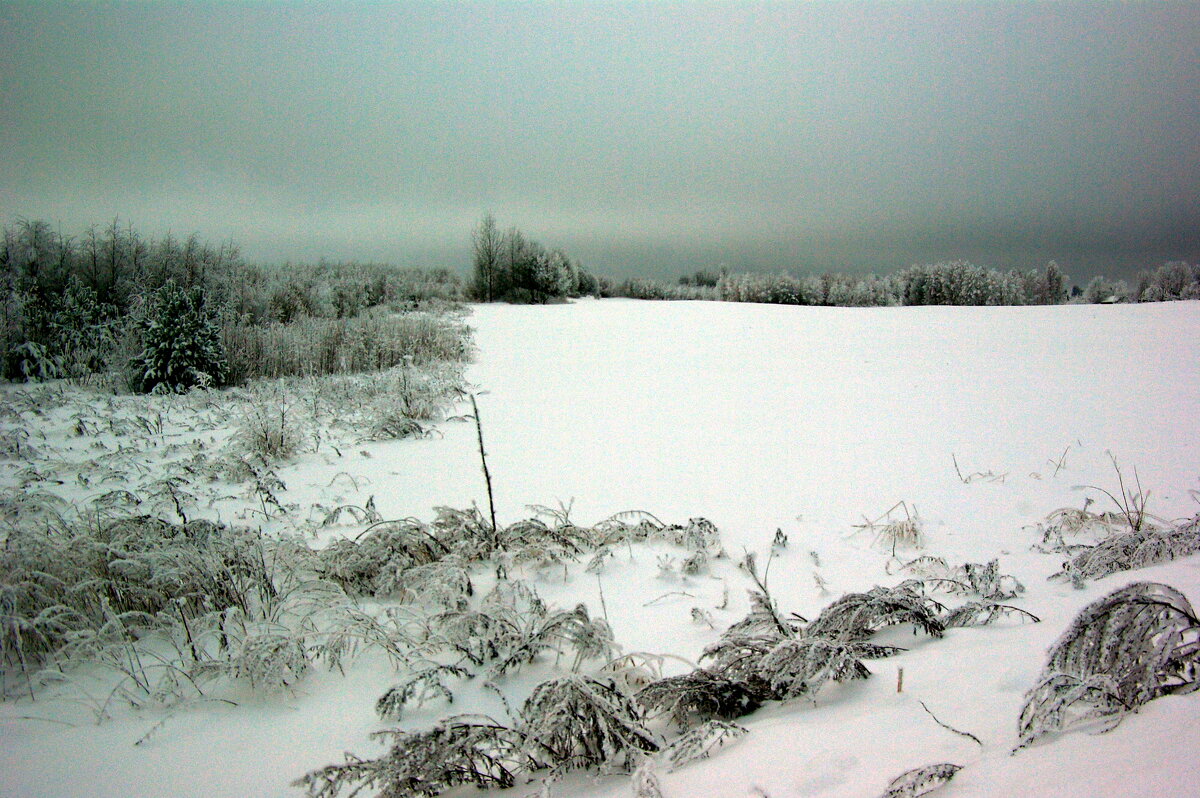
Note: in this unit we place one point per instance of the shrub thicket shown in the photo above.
(110, 302)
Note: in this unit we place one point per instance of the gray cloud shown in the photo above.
(640, 137)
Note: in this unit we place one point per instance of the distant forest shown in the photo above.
(510, 267)
(171, 313)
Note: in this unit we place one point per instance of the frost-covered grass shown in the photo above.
(366, 343)
(808, 640)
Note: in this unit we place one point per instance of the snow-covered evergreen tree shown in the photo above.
(181, 343)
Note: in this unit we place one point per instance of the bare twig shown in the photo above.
(603, 606)
(1061, 462)
(665, 595)
(948, 727)
(956, 469)
(990, 476)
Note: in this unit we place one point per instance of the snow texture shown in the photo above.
(758, 418)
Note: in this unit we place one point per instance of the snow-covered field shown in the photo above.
(811, 421)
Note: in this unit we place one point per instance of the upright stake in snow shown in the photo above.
(487, 477)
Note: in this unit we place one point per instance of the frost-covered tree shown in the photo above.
(553, 275)
(181, 343)
(1054, 284)
(1100, 289)
(487, 243)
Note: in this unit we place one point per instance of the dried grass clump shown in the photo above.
(534, 541)
(982, 613)
(421, 685)
(765, 657)
(156, 603)
(1129, 647)
(904, 532)
(700, 696)
(700, 535)
(576, 722)
(270, 659)
(633, 526)
(374, 562)
(1133, 548)
(413, 399)
(857, 616)
(566, 724)
(1130, 536)
(465, 749)
(270, 429)
(702, 742)
(801, 667)
(393, 425)
(921, 781)
(981, 579)
(441, 584)
(1073, 521)
(513, 626)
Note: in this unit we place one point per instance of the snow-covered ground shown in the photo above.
(806, 420)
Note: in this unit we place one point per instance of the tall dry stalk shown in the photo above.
(487, 476)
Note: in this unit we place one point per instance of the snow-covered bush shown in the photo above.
(269, 659)
(702, 742)
(802, 666)
(420, 685)
(982, 613)
(699, 535)
(73, 591)
(366, 343)
(1100, 290)
(981, 579)
(441, 584)
(372, 563)
(566, 724)
(765, 657)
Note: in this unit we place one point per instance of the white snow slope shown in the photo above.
(758, 417)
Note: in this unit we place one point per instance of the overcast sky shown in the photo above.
(645, 138)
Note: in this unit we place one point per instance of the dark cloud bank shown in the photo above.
(643, 138)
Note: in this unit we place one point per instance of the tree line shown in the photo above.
(509, 267)
(949, 283)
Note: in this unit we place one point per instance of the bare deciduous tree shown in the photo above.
(488, 243)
